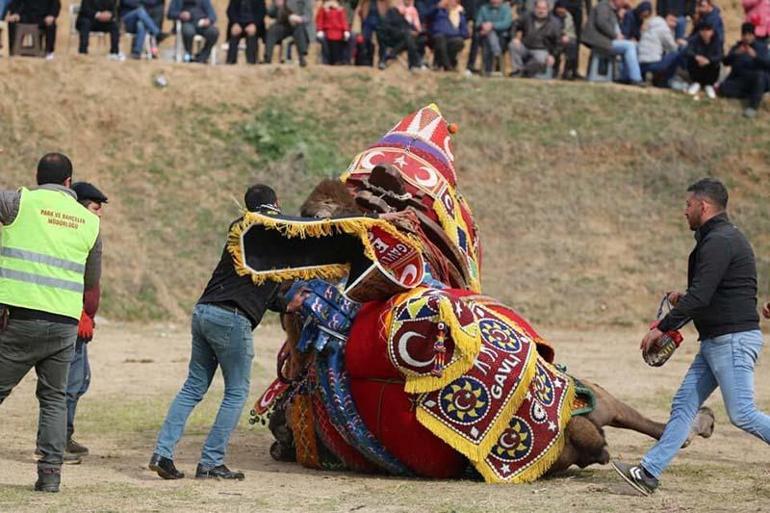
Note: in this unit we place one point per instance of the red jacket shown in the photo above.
(758, 14)
(333, 22)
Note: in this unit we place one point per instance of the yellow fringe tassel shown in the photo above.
(477, 452)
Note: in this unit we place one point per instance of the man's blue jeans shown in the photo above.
(728, 362)
(220, 338)
(681, 27)
(77, 383)
(139, 23)
(627, 49)
(666, 66)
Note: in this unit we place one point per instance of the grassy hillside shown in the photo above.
(577, 188)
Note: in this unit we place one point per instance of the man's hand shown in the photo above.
(674, 297)
(204, 22)
(650, 338)
(319, 34)
(185, 16)
(750, 52)
(48, 20)
(85, 327)
(103, 16)
(564, 39)
(295, 19)
(487, 27)
(517, 42)
(549, 61)
(681, 42)
(766, 310)
(13, 18)
(701, 60)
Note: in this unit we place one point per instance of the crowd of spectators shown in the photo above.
(676, 43)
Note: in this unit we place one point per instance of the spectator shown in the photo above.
(138, 22)
(602, 34)
(293, 18)
(371, 13)
(400, 31)
(569, 41)
(448, 31)
(757, 13)
(156, 9)
(536, 41)
(707, 11)
(493, 28)
(245, 19)
(633, 19)
(679, 8)
(333, 31)
(703, 56)
(471, 11)
(658, 52)
(197, 18)
(42, 13)
(749, 66)
(99, 16)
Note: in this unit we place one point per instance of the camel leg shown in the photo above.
(610, 411)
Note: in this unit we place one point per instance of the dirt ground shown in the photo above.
(137, 370)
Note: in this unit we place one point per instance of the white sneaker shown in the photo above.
(120, 57)
(49, 56)
(468, 73)
(693, 89)
(711, 93)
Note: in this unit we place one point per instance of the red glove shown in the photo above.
(86, 327)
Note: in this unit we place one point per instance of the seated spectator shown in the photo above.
(197, 18)
(448, 32)
(749, 66)
(293, 18)
(370, 13)
(706, 11)
(493, 28)
(138, 22)
(568, 41)
(156, 9)
(400, 31)
(245, 19)
(332, 31)
(682, 9)
(658, 52)
(42, 13)
(633, 19)
(99, 16)
(757, 13)
(536, 41)
(703, 56)
(602, 34)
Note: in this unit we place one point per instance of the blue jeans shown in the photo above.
(3, 5)
(630, 60)
(139, 22)
(666, 66)
(681, 27)
(220, 338)
(726, 362)
(77, 383)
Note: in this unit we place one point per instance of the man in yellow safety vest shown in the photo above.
(50, 253)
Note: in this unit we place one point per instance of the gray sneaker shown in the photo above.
(636, 476)
(750, 113)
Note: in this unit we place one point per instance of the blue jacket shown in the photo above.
(500, 17)
(439, 24)
(204, 6)
(631, 27)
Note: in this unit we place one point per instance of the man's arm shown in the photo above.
(93, 266)
(713, 260)
(605, 20)
(278, 302)
(211, 14)
(507, 19)
(9, 206)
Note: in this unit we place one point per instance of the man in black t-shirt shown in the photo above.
(229, 309)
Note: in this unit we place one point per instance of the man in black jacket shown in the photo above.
(536, 42)
(99, 16)
(721, 300)
(42, 13)
(229, 309)
(703, 57)
(749, 67)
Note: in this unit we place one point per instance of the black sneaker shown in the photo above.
(76, 448)
(48, 480)
(164, 467)
(220, 472)
(636, 476)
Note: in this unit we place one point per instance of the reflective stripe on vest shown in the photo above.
(43, 253)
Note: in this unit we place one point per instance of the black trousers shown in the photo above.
(48, 31)
(570, 56)
(278, 32)
(87, 25)
(405, 40)
(704, 75)
(334, 52)
(252, 43)
(752, 85)
(446, 49)
(210, 35)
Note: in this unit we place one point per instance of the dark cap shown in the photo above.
(87, 191)
(747, 28)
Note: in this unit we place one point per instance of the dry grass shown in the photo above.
(577, 188)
